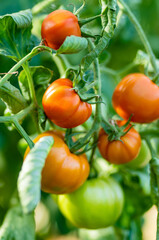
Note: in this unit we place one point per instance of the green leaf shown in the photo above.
(18, 226)
(73, 44)
(29, 180)
(15, 34)
(142, 58)
(12, 97)
(41, 78)
(108, 31)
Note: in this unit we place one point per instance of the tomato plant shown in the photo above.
(120, 151)
(135, 93)
(63, 106)
(57, 26)
(97, 204)
(63, 172)
(72, 89)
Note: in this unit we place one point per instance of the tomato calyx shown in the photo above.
(76, 146)
(85, 33)
(85, 90)
(82, 22)
(114, 131)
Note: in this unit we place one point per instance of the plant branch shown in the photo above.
(33, 53)
(30, 83)
(17, 117)
(23, 133)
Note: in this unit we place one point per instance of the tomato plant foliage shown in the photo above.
(83, 114)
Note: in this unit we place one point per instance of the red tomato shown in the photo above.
(57, 26)
(63, 106)
(64, 172)
(136, 94)
(119, 152)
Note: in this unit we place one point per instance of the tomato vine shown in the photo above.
(66, 98)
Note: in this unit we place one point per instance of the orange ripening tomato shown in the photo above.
(63, 106)
(136, 94)
(64, 172)
(57, 26)
(119, 152)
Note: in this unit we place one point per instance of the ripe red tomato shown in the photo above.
(120, 152)
(64, 172)
(57, 26)
(136, 94)
(63, 106)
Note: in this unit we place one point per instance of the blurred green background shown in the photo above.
(121, 52)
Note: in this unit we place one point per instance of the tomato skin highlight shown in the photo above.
(136, 94)
(57, 26)
(96, 204)
(64, 172)
(119, 152)
(63, 106)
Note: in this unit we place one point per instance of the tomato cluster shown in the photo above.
(96, 202)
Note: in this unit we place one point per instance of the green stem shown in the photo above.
(33, 53)
(30, 83)
(108, 71)
(17, 117)
(126, 69)
(149, 133)
(153, 153)
(39, 7)
(123, 6)
(120, 13)
(80, 8)
(97, 117)
(23, 133)
(61, 64)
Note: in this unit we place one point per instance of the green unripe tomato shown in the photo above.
(96, 204)
(143, 157)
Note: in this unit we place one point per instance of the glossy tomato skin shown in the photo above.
(63, 106)
(57, 26)
(142, 158)
(64, 172)
(136, 94)
(119, 152)
(96, 204)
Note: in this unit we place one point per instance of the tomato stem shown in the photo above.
(30, 83)
(33, 53)
(123, 6)
(80, 8)
(87, 20)
(97, 117)
(17, 117)
(152, 150)
(152, 132)
(23, 133)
